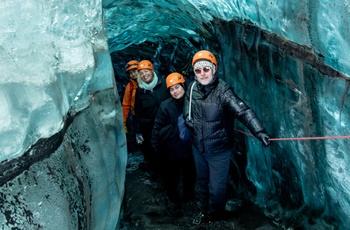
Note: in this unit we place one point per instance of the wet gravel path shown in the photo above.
(146, 206)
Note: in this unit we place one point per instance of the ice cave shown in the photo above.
(63, 149)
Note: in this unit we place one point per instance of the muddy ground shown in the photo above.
(146, 206)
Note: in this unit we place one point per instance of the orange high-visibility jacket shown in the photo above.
(129, 99)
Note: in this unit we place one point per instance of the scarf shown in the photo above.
(144, 85)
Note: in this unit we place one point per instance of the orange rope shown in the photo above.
(308, 138)
(298, 138)
(248, 134)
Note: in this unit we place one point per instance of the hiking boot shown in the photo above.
(200, 218)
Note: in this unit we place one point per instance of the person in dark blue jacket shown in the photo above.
(209, 111)
(171, 141)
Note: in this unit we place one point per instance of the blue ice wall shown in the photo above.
(299, 182)
(62, 144)
(73, 179)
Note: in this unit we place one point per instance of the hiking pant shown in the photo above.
(212, 174)
(179, 170)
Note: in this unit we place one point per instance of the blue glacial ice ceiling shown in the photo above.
(62, 145)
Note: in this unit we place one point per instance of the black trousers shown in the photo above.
(176, 171)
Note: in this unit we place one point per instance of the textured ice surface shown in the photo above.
(44, 63)
(62, 145)
(321, 25)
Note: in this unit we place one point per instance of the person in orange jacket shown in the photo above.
(130, 91)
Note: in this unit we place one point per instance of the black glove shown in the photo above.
(264, 138)
(189, 124)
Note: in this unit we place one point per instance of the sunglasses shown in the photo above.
(205, 69)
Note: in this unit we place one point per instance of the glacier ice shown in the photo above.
(62, 146)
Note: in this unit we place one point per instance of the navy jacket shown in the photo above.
(165, 134)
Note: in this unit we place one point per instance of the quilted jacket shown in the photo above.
(210, 115)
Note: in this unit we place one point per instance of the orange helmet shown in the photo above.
(145, 64)
(131, 65)
(173, 79)
(204, 55)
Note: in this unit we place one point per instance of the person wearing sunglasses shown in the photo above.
(173, 143)
(150, 93)
(210, 108)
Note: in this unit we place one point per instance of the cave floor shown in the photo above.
(145, 206)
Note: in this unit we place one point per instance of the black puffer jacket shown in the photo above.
(147, 103)
(214, 107)
(165, 134)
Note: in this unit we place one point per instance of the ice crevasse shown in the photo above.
(62, 145)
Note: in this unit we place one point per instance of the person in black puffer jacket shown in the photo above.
(150, 93)
(209, 111)
(175, 149)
